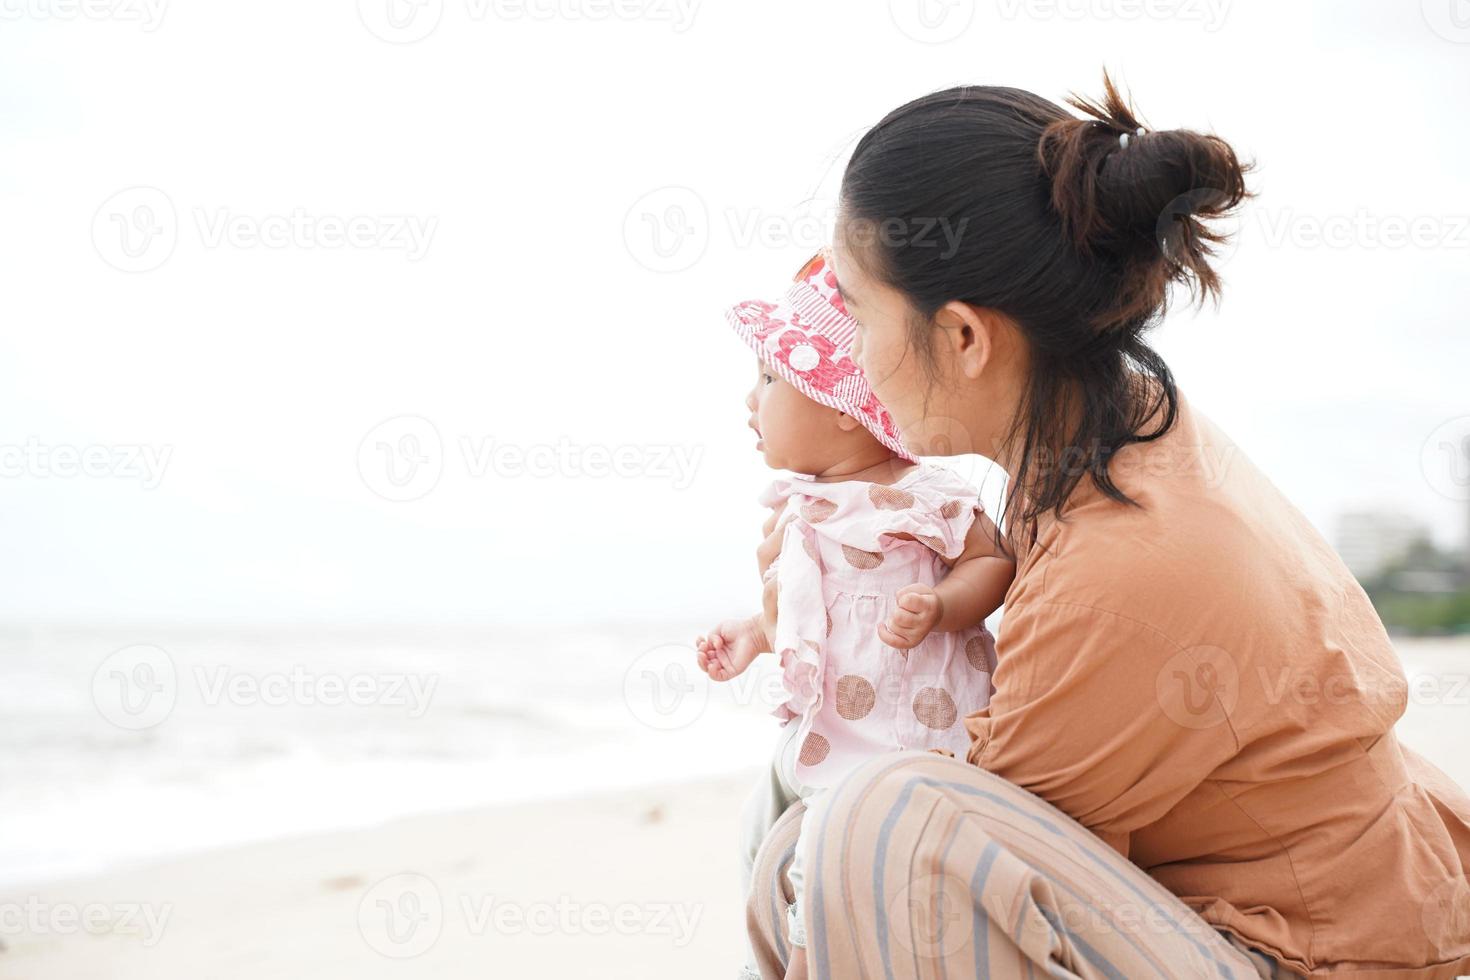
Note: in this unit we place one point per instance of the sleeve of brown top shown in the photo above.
(1077, 718)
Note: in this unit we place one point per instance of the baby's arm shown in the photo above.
(734, 644)
(974, 588)
(731, 647)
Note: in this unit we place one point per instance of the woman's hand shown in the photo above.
(731, 647)
(773, 531)
(765, 556)
(919, 610)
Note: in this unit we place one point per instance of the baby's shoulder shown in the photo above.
(924, 490)
(927, 489)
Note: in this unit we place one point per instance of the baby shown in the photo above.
(886, 572)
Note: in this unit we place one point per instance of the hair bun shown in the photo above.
(1143, 199)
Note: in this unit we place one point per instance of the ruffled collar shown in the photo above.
(811, 486)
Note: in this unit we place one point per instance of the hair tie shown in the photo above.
(1123, 137)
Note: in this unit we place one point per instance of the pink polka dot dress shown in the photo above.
(841, 566)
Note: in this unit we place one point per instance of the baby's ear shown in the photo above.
(847, 423)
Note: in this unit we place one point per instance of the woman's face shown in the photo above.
(883, 349)
(881, 345)
(965, 403)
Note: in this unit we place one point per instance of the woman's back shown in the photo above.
(1202, 683)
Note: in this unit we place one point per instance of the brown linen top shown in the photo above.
(1203, 684)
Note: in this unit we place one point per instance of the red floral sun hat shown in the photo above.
(806, 338)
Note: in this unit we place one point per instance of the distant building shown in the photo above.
(1465, 556)
(1371, 541)
(1425, 581)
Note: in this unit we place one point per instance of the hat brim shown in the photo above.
(753, 321)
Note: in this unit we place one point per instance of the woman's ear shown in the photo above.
(969, 335)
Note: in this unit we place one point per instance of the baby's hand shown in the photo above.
(919, 608)
(730, 647)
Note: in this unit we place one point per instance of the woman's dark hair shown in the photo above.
(1072, 232)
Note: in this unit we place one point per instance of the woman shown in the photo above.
(1188, 767)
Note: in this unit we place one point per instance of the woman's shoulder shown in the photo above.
(1206, 534)
(1212, 584)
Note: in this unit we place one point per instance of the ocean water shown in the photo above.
(125, 745)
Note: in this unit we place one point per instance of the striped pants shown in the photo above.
(920, 865)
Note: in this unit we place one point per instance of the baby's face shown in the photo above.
(795, 432)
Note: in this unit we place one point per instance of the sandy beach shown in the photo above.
(638, 883)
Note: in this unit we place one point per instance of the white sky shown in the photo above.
(522, 147)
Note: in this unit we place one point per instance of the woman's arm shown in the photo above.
(974, 589)
(977, 583)
(765, 554)
(1103, 716)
